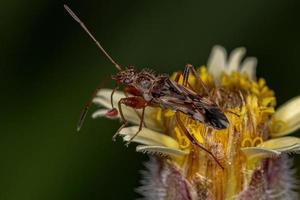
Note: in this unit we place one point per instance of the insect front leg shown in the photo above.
(113, 112)
(133, 91)
(135, 102)
(190, 68)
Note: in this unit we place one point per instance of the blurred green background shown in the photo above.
(49, 68)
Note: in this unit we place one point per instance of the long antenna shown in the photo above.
(74, 16)
(88, 105)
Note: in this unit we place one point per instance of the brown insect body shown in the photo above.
(161, 91)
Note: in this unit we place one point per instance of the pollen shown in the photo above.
(248, 105)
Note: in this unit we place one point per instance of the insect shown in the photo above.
(148, 89)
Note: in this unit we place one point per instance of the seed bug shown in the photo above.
(148, 89)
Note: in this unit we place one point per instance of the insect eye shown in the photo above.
(127, 81)
(144, 82)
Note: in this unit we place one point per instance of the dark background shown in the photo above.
(49, 68)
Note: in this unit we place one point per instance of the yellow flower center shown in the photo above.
(248, 105)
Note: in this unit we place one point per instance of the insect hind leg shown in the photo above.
(194, 140)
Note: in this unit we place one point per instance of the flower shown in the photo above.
(253, 149)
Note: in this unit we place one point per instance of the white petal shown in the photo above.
(161, 150)
(140, 140)
(100, 113)
(102, 102)
(235, 58)
(249, 67)
(286, 118)
(217, 61)
(259, 152)
(129, 113)
(148, 137)
(283, 144)
(274, 147)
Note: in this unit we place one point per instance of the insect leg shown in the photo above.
(123, 120)
(177, 78)
(113, 112)
(119, 129)
(140, 127)
(133, 102)
(112, 95)
(131, 90)
(186, 74)
(193, 139)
